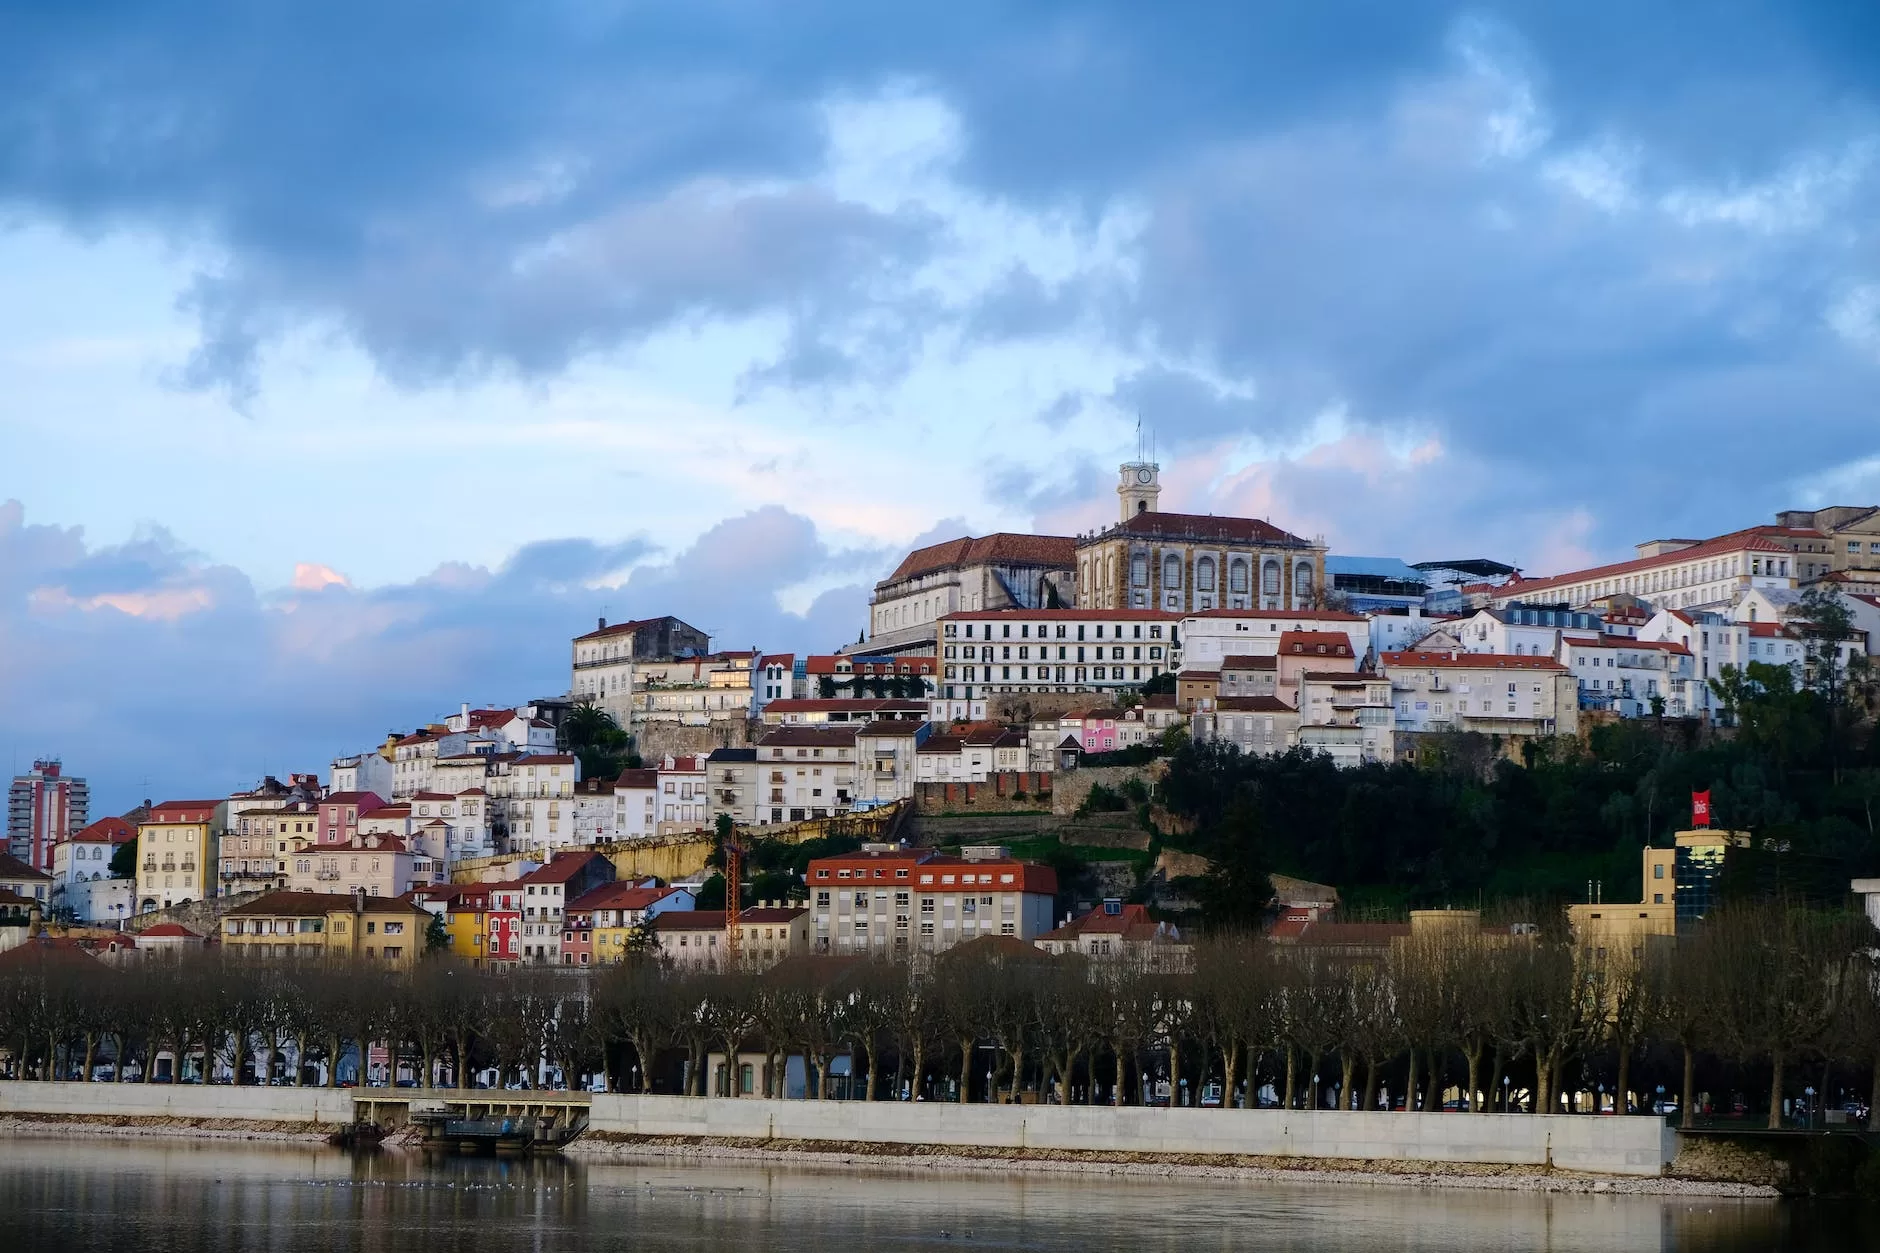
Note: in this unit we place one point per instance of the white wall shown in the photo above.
(1614, 1146)
(178, 1100)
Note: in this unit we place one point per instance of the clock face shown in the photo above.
(1143, 475)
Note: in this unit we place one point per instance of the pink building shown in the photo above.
(1094, 729)
(340, 814)
(44, 806)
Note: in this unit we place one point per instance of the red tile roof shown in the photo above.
(1318, 643)
(840, 705)
(1243, 662)
(167, 930)
(811, 737)
(1748, 540)
(1284, 615)
(301, 904)
(1470, 661)
(106, 831)
(561, 868)
(619, 628)
(1625, 641)
(1003, 548)
(1252, 705)
(182, 811)
(618, 896)
(1062, 615)
(1203, 526)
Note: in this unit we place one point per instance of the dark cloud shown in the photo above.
(144, 660)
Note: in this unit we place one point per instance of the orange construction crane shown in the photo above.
(734, 868)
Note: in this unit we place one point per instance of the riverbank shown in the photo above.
(131, 1126)
(851, 1156)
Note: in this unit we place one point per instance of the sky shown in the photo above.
(354, 356)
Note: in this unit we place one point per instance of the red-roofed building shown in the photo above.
(177, 843)
(1101, 651)
(893, 900)
(1115, 931)
(1209, 638)
(1301, 652)
(607, 660)
(600, 922)
(817, 711)
(545, 895)
(993, 572)
(82, 886)
(1633, 677)
(1190, 563)
(1487, 692)
(1671, 574)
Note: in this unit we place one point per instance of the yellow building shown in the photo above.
(176, 853)
(320, 924)
(1613, 929)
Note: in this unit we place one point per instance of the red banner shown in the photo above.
(1700, 808)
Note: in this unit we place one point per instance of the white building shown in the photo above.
(81, 872)
(993, 572)
(1054, 650)
(1485, 692)
(807, 772)
(972, 755)
(1207, 639)
(363, 772)
(1633, 677)
(1515, 631)
(540, 802)
(1347, 717)
(885, 765)
(1669, 574)
(607, 659)
(684, 798)
(1395, 632)
(636, 804)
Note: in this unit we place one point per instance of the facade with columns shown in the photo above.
(1192, 563)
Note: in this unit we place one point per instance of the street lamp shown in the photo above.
(1506, 1080)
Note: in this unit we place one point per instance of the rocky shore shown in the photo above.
(853, 1156)
(130, 1126)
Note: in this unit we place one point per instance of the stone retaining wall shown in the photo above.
(1610, 1146)
(178, 1100)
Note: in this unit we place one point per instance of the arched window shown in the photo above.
(1204, 574)
(1139, 570)
(1171, 571)
(1302, 584)
(1237, 574)
(1269, 579)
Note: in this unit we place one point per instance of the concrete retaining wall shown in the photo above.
(1612, 1146)
(179, 1100)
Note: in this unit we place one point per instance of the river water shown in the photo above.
(77, 1196)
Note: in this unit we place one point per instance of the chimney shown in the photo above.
(602, 626)
(359, 900)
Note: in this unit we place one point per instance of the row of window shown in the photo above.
(1047, 674)
(1118, 652)
(957, 630)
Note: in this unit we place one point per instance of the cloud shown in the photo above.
(144, 659)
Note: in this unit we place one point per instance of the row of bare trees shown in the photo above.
(1454, 1018)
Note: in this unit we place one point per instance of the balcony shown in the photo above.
(331, 876)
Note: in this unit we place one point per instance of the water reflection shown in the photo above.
(81, 1197)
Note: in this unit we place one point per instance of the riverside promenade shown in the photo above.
(1628, 1147)
(1632, 1147)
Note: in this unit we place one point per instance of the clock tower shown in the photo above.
(1138, 485)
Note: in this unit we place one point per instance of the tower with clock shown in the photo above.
(1138, 485)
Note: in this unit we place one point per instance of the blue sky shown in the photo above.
(353, 356)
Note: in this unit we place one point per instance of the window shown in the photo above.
(1269, 579)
